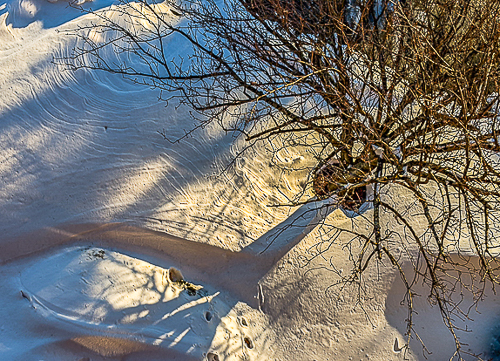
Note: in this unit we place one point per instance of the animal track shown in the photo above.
(212, 357)
(248, 342)
(243, 322)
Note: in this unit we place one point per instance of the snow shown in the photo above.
(96, 207)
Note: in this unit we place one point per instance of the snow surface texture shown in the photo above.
(85, 178)
(85, 146)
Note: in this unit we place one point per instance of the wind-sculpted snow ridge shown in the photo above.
(47, 13)
(95, 295)
(100, 303)
(83, 168)
(84, 146)
(118, 293)
(113, 295)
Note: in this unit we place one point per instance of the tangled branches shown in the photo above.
(390, 97)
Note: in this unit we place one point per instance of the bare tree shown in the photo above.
(389, 96)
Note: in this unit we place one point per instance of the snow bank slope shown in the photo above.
(84, 146)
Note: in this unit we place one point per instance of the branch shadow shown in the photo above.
(475, 319)
(230, 294)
